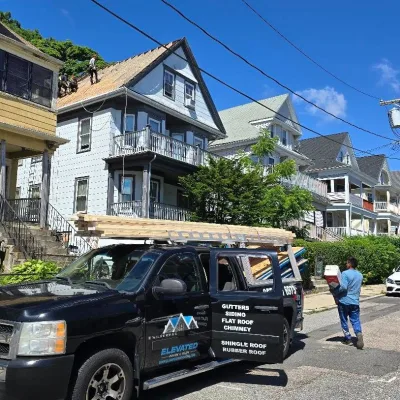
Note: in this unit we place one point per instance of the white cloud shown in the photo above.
(388, 75)
(327, 98)
(67, 15)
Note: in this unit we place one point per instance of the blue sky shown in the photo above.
(356, 42)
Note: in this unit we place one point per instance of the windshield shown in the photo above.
(398, 269)
(120, 267)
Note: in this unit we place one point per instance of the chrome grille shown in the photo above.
(397, 282)
(7, 331)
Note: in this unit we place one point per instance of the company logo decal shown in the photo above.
(179, 324)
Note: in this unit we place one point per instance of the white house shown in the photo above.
(148, 121)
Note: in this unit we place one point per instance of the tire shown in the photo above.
(286, 337)
(108, 371)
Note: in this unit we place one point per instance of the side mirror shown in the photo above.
(171, 287)
(394, 270)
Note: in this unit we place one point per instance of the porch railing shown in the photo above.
(133, 209)
(65, 233)
(19, 232)
(166, 211)
(337, 230)
(145, 140)
(306, 182)
(28, 210)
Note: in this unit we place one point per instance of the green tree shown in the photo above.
(238, 191)
(75, 57)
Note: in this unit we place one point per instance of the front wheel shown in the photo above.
(107, 375)
(286, 337)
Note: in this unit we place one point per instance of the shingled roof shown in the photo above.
(116, 75)
(395, 179)
(237, 120)
(371, 165)
(323, 150)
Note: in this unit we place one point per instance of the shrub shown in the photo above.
(29, 271)
(376, 255)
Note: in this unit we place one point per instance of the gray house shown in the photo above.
(148, 121)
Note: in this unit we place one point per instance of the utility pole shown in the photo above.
(394, 113)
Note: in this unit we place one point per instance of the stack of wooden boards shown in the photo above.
(141, 228)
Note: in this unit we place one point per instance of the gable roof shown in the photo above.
(127, 72)
(371, 165)
(8, 34)
(323, 151)
(237, 120)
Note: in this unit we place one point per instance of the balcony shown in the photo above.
(340, 197)
(385, 207)
(306, 182)
(133, 209)
(143, 141)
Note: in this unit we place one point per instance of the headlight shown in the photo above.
(43, 338)
(391, 281)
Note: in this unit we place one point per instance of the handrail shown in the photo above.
(19, 231)
(66, 232)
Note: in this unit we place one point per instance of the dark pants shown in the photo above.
(93, 72)
(2, 257)
(351, 312)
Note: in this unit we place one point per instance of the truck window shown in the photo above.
(183, 267)
(254, 266)
(227, 278)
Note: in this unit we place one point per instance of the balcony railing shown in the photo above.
(356, 200)
(306, 182)
(133, 209)
(145, 140)
(337, 196)
(337, 230)
(384, 206)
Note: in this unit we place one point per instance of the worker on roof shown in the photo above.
(62, 83)
(73, 84)
(93, 69)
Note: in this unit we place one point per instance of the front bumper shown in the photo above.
(35, 378)
(392, 288)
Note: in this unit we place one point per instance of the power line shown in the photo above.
(225, 46)
(305, 54)
(137, 29)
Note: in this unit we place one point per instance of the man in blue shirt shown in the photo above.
(347, 296)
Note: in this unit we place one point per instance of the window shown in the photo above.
(155, 125)
(81, 194)
(182, 201)
(129, 123)
(17, 193)
(341, 156)
(189, 95)
(17, 77)
(227, 280)
(284, 137)
(34, 191)
(84, 137)
(37, 159)
(183, 267)
(127, 191)
(199, 142)
(42, 85)
(271, 161)
(272, 130)
(24, 79)
(169, 84)
(154, 191)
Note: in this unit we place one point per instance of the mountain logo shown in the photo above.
(179, 324)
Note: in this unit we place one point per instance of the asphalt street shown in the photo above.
(319, 366)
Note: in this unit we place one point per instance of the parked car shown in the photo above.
(127, 317)
(393, 282)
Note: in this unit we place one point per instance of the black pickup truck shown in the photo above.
(126, 318)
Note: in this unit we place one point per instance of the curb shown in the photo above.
(318, 310)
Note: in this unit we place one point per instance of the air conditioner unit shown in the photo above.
(190, 103)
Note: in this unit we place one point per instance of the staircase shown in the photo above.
(20, 228)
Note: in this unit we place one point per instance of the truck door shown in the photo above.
(178, 327)
(246, 324)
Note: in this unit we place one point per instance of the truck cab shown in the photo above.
(127, 317)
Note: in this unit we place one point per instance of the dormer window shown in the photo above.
(189, 95)
(384, 178)
(341, 157)
(169, 84)
(284, 137)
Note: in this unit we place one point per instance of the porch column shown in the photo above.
(348, 223)
(45, 189)
(362, 225)
(110, 191)
(388, 198)
(389, 222)
(347, 189)
(375, 231)
(332, 183)
(3, 169)
(146, 191)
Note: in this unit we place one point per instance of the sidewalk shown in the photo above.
(324, 301)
